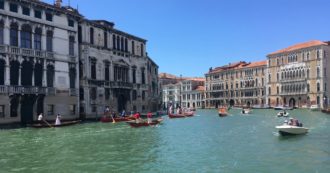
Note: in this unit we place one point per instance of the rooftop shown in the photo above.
(300, 46)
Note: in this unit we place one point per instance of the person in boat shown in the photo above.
(149, 117)
(40, 117)
(291, 121)
(58, 120)
(113, 114)
(123, 113)
(137, 117)
(284, 112)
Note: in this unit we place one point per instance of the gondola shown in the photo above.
(47, 125)
(186, 114)
(144, 123)
(106, 119)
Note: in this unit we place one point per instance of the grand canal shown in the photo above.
(203, 143)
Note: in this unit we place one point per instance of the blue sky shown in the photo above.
(186, 37)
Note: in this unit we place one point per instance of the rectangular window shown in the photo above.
(2, 111)
(71, 45)
(26, 11)
(93, 70)
(72, 109)
(70, 22)
(13, 8)
(26, 39)
(93, 108)
(107, 73)
(2, 5)
(134, 95)
(50, 110)
(37, 14)
(49, 17)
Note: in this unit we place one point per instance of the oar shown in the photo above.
(48, 124)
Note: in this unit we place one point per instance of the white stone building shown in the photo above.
(38, 61)
(115, 71)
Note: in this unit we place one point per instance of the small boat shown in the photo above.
(106, 119)
(246, 111)
(283, 114)
(291, 129)
(327, 111)
(314, 108)
(144, 123)
(222, 112)
(185, 114)
(47, 125)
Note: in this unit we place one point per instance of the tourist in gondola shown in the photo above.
(137, 117)
(123, 113)
(149, 117)
(40, 117)
(58, 120)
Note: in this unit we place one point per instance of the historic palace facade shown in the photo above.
(54, 61)
(297, 75)
(236, 84)
(38, 61)
(115, 71)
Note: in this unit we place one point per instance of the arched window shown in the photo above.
(318, 54)
(307, 56)
(126, 45)
(114, 42)
(318, 72)
(308, 88)
(122, 48)
(1, 32)
(118, 43)
(307, 73)
(91, 35)
(14, 34)
(38, 72)
(50, 75)
(72, 76)
(26, 72)
(49, 41)
(14, 70)
(37, 38)
(269, 91)
(2, 71)
(26, 37)
(318, 87)
(71, 45)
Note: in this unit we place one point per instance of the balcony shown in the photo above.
(73, 92)
(25, 52)
(293, 93)
(26, 90)
(124, 85)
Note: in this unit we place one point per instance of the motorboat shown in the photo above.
(314, 108)
(292, 129)
(246, 111)
(283, 108)
(222, 112)
(283, 114)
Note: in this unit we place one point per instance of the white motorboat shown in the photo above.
(314, 108)
(283, 114)
(246, 111)
(289, 129)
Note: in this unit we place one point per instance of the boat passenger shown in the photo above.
(291, 121)
(123, 113)
(149, 116)
(40, 117)
(58, 119)
(137, 117)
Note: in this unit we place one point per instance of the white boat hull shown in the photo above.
(291, 130)
(282, 114)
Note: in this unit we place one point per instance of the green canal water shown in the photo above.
(203, 143)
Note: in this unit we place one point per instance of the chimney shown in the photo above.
(58, 3)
